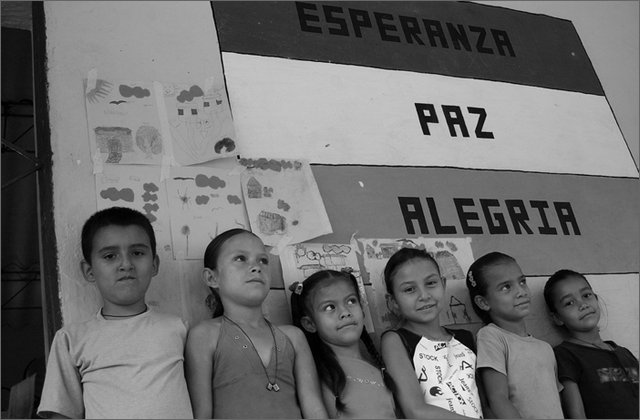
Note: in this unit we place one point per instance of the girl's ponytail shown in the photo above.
(214, 303)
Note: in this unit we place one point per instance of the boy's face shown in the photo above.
(122, 265)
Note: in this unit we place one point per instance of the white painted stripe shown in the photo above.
(340, 114)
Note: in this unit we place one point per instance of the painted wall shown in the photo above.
(177, 42)
(610, 32)
(169, 41)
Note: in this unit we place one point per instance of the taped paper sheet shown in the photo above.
(137, 187)
(152, 123)
(282, 199)
(204, 202)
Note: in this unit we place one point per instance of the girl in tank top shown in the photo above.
(327, 307)
(238, 364)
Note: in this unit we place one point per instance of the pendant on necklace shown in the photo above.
(273, 387)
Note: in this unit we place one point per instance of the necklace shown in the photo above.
(124, 316)
(271, 385)
(604, 346)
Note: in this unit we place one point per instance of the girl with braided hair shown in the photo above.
(327, 307)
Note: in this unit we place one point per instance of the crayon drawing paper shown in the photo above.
(283, 201)
(123, 121)
(203, 202)
(199, 119)
(137, 187)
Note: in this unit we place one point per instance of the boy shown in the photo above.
(126, 362)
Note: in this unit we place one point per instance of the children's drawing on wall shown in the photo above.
(200, 121)
(203, 202)
(454, 256)
(123, 121)
(283, 201)
(126, 124)
(137, 187)
(299, 261)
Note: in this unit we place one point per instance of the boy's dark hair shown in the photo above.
(211, 261)
(476, 279)
(557, 277)
(114, 216)
(329, 369)
(399, 258)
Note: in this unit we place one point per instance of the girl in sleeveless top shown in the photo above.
(238, 364)
(327, 307)
(434, 367)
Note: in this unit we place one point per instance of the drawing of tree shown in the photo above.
(186, 231)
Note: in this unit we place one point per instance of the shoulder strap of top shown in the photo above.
(465, 337)
(279, 332)
(409, 340)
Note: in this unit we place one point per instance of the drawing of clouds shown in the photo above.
(283, 205)
(137, 91)
(114, 194)
(234, 199)
(188, 95)
(147, 196)
(271, 164)
(336, 248)
(226, 143)
(213, 181)
(150, 186)
(151, 207)
(202, 199)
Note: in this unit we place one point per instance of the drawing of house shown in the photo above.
(449, 265)
(458, 311)
(309, 269)
(189, 109)
(335, 260)
(254, 188)
(271, 223)
(388, 249)
(115, 141)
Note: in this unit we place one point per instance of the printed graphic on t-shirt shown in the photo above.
(446, 373)
(618, 374)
